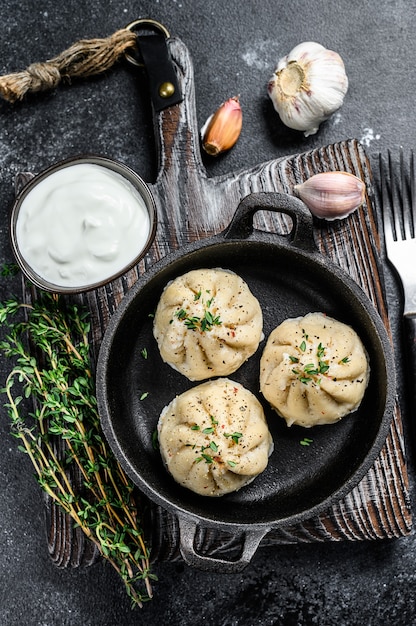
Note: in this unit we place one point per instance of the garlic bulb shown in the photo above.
(332, 195)
(309, 84)
(222, 129)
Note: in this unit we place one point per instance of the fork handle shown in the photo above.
(409, 322)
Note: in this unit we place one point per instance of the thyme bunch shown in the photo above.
(52, 367)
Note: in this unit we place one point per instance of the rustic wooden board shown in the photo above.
(191, 206)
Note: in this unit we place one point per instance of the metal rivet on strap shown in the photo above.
(166, 90)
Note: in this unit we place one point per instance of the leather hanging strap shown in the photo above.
(163, 83)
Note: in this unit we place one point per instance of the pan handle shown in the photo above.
(301, 235)
(188, 528)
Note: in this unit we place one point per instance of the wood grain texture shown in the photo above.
(191, 206)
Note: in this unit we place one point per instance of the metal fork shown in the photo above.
(398, 201)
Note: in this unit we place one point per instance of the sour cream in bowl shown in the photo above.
(81, 223)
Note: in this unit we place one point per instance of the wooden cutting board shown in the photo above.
(191, 206)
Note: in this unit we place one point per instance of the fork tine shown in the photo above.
(413, 191)
(385, 200)
(407, 220)
(396, 200)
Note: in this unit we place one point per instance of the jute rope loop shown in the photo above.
(84, 58)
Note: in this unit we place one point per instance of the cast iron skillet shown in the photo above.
(290, 278)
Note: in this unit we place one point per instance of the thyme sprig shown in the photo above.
(52, 367)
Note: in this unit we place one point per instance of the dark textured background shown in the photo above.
(235, 46)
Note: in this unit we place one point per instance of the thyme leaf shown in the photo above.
(9, 269)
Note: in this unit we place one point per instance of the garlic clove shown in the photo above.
(308, 86)
(332, 195)
(222, 129)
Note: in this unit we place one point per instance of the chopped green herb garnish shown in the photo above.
(181, 314)
(144, 353)
(234, 436)
(195, 427)
(209, 320)
(208, 431)
(192, 322)
(144, 395)
(213, 446)
(155, 440)
(231, 463)
(306, 441)
(310, 372)
(204, 323)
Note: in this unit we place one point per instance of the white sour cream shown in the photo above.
(81, 225)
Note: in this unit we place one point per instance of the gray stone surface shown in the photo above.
(235, 46)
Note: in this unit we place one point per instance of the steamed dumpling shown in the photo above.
(207, 323)
(214, 437)
(313, 370)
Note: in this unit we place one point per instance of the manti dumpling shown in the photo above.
(214, 437)
(207, 323)
(313, 370)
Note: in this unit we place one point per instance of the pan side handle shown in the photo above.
(188, 528)
(301, 235)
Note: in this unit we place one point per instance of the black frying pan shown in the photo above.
(290, 278)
